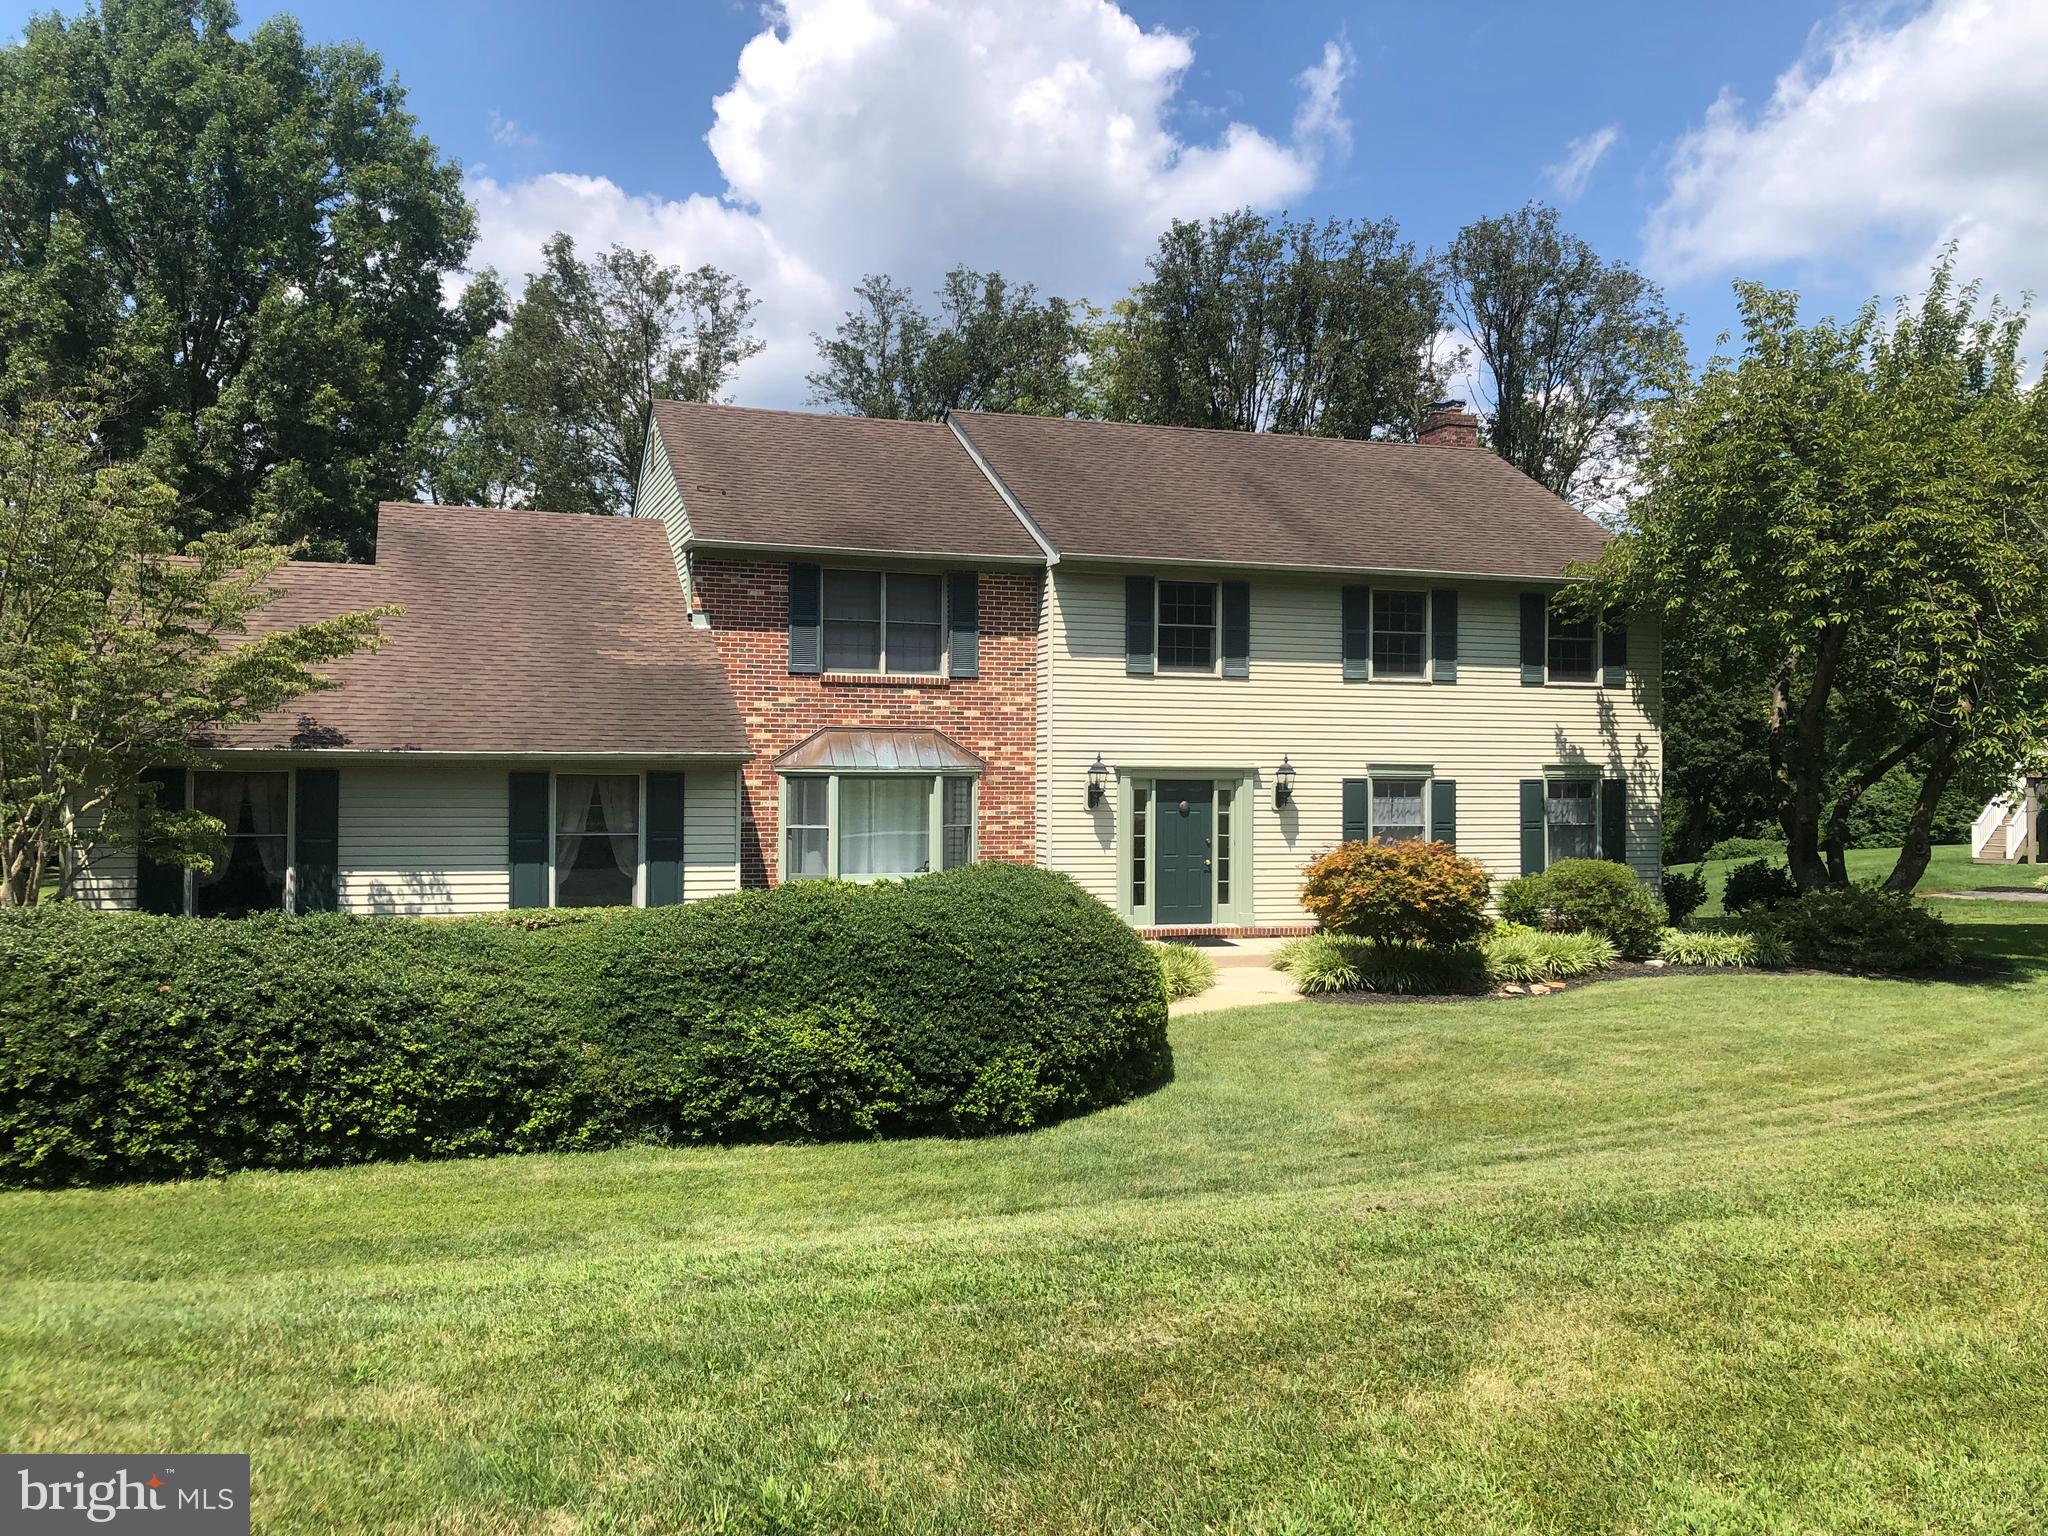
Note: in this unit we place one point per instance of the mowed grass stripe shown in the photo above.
(1696, 1254)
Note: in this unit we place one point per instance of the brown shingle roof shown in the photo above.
(1242, 498)
(808, 481)
(529, 632)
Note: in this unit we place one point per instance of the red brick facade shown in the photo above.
(994, 716)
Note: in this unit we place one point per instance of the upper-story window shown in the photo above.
(1187, 626)
(1573, 649)
(878, 621)
(1400, 633)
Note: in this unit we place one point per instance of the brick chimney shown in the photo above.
(1447, 424)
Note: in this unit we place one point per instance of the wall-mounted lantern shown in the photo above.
(1283, 784)
(1098, 781)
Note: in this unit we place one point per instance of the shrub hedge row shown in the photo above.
(984, 999)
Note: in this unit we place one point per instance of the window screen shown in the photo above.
(1572, 646)
(957, 828)
(597, 839)
(1570, 815)
(1187, 625)
(806, 837)
(249, 877)
(1397, 810)
(1400, 633)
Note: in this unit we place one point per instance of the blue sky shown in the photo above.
(1053, 138)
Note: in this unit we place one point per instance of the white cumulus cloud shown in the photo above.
(1892, 136)
(905, 136)
(1569, 176)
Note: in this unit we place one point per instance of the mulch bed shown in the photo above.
(1621, 970)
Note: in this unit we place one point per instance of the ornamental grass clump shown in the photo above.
(1338, 962)
(1185, 970)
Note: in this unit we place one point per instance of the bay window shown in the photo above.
(875, 826)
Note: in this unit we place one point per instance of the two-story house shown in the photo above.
(1175, 664)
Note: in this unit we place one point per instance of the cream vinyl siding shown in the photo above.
(424, 841)
(1487, 731)
(657, 495)
(105, 876)
(431, 840)
(711, 832)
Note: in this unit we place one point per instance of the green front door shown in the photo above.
(1184, 814)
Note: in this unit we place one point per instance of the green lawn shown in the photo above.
(1707, 1254)
(1949, 869)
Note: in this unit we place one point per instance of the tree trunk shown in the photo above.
(1837, 841)
(1801, 769)
(1919, 843)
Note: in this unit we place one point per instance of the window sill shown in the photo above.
(886, 679)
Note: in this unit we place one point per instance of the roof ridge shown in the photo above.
(778, 410)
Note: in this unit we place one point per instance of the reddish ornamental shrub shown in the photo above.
(1398, 893)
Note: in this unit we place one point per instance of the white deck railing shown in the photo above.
(1990, 819)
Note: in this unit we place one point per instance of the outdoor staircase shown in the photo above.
(2005, 831)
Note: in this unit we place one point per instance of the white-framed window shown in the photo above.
(596, 851)
(876, 826)
(251, 873)
(884, 622)
(1571, 819)
(1400, 812)
(1400, 633)
(1572, 647)
(1187, 625)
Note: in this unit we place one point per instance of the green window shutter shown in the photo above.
(160, 887)
(316, 838)
(963, 610)
(1237, 629)
(1532, 639)
(1357, 810)
(664, 838)
(1443, 811)
(806, 627)
(529, 839)
(1614, 820)
(1138, 625)
(1532, 827)
(1357, 634)
(1613, 650)
(1443, 634)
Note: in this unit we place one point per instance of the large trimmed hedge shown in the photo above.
(984, 999)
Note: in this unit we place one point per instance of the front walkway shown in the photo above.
(1244, 976)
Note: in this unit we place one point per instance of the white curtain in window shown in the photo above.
(575, 795)
(1396, 809)
(884, 826)
(1572, 832)
(618, 796)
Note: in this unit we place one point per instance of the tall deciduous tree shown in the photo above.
(1256, 324)
(552, 412)
(120, 649)
(1574, 349)
(251, 235)
(1851, 520)
(992, 346)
